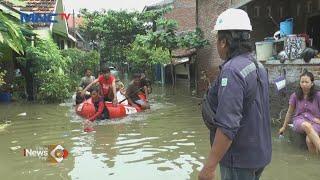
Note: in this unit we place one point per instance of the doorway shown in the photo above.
(313, 30)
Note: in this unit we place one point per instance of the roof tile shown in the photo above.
(39, 6)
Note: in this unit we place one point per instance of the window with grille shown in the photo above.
(256, 11)
(281, 12)
(309, 7)
(268, 11)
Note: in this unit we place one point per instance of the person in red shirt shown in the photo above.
(107, 84)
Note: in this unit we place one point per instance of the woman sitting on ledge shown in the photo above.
(305, 104)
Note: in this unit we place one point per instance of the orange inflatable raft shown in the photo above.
(87, 109)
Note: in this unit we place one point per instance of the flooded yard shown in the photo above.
(169, 141)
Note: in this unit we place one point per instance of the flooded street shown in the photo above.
(169, 141)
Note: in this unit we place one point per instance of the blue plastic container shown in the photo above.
(5, 97)
(286, 27)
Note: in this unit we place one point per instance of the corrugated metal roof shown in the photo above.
(179, 53)
(241, 3)
(158, 5)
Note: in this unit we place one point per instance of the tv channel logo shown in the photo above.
(43, 17)
(53, 153)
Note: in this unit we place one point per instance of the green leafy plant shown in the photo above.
(49, 68)
(112, 32)
(46, 56)
(10, 34)
(142, 54)
(157, 46)
(193, 39)
(141, 38)
(78, 61)
(54, 87)
(57, 72)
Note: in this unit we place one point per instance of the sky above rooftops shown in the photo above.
(98, 5)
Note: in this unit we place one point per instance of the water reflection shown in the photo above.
(33, 126)
(142, 146)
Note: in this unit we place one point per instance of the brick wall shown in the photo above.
(184, 12)
(207, 58)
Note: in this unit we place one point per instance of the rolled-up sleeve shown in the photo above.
(230, 106)
(293, 99)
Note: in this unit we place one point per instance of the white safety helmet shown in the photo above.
(233, 19)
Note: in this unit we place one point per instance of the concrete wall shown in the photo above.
(293, 69)
(182, 69)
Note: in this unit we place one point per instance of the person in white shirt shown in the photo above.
(121, 91)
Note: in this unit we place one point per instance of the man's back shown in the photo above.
(246, 122)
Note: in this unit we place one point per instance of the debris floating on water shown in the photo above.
(3, 126)
(14, 148)
(22, 114)
(62, 104)
(65, 134)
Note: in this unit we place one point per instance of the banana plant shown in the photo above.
(10, 34)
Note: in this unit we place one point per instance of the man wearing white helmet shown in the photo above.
(236, 107)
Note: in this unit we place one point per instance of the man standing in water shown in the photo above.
(236, 108)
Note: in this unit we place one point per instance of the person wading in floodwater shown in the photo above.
(236, 108)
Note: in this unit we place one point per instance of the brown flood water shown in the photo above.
(168, 142)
